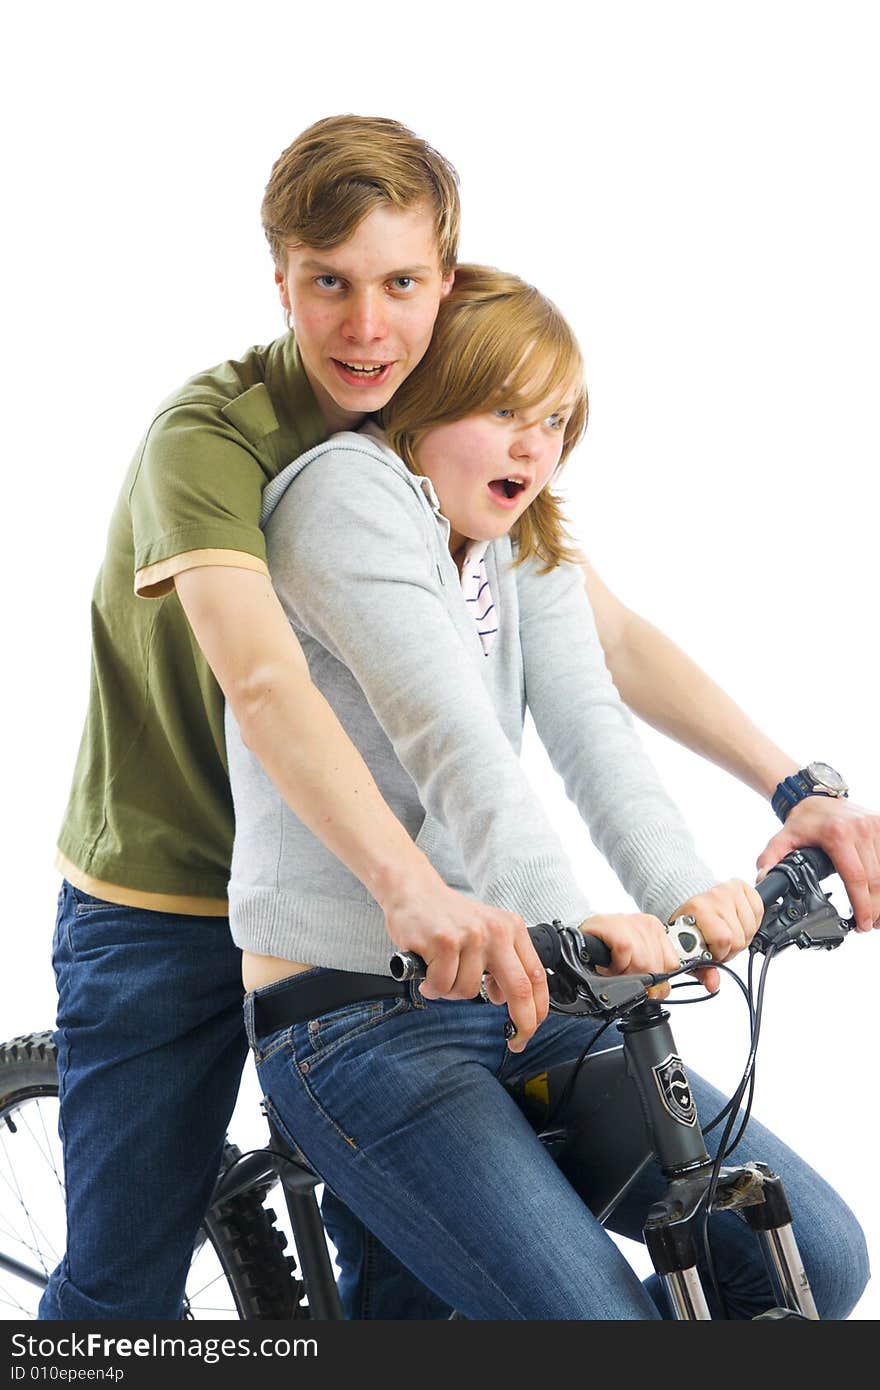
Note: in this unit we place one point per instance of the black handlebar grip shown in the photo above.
(594, 951)
(776, 882)
(406, 965)
(547, 942)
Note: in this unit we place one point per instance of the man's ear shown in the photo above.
(446, 284)
(281, 282)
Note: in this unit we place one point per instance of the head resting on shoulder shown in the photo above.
(498, 344)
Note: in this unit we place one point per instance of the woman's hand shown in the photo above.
(728, 916)
(639, 945)
(460, 939)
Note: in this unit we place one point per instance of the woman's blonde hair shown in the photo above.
(335, 173)
(498, 343)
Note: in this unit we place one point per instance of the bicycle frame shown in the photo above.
(632, 1103)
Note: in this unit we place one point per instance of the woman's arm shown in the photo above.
(592, 743)
(663, 686)
(354, 560)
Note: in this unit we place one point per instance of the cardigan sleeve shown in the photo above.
(591, 740)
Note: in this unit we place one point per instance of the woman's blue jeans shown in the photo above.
(400, 1105)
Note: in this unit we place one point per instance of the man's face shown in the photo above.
(364, 311)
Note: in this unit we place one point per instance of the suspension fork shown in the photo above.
(673, 1223)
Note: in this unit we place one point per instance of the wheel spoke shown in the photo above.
(246, 1242)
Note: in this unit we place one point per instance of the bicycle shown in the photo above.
(640, 1088)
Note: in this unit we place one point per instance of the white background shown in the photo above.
(696, 184)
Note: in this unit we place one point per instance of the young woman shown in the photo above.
(427, 575)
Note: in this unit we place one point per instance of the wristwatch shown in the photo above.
(816, 779)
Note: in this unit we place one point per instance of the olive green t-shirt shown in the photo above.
(150, 813)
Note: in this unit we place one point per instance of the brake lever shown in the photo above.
(805, 917)
(577, 989)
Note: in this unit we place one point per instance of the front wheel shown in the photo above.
(238, 1270)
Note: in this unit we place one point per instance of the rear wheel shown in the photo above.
(238, 1270)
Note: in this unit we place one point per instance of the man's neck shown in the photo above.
(334, 417)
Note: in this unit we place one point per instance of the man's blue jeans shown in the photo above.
(399, 1105)
(150, 1051)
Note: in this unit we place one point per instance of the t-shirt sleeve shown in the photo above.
(352, 559)
(195, 498)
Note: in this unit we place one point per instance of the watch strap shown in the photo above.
(796, 788)
(790, 791)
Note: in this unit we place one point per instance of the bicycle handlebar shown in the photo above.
(778, 880)
(548, 940)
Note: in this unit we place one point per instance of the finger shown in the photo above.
(739, 921)
(871, 861)
(848, 863)
(717, 932)
(516, 988)
(440, 974)
(653, 951)
(670, 959)
(775, 849)
(531, 963)
(469, 975)
(491, 989)
(750, 910)
(623, 946)
(709, 977)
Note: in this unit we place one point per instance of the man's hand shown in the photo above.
(459, 939)
(728, 916)
(849, 835)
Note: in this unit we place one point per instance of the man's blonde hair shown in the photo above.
(336, 172)
(498, 343)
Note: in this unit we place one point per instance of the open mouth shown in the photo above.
(362, 373)
(506, 489)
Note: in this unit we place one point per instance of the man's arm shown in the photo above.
(247, 641)
(663, 686)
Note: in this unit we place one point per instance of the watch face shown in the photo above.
(826, 776)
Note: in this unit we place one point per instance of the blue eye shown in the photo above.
(403, 282)
(328, 282)
(505, 414)
(556, 421)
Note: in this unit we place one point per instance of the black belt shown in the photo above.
(308, 996)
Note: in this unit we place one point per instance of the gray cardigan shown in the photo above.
(358, 553)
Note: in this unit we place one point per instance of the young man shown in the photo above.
(362, 219)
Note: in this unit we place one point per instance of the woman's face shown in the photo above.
(487, 468)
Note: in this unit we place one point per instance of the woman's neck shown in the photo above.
(458, 546)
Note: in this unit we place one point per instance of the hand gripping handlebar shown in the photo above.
(797, 913)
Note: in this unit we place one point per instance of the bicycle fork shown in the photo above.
(672, 1225)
